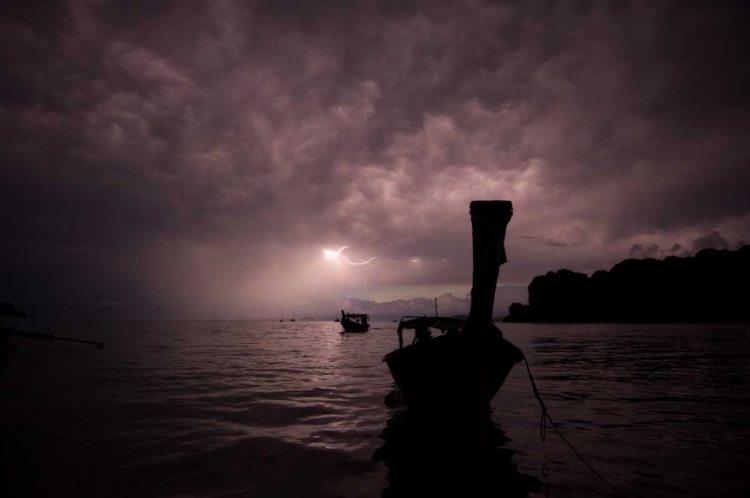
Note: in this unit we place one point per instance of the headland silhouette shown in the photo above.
(711, 286)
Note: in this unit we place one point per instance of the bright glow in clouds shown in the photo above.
(329, 254)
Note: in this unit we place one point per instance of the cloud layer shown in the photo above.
(193, 159)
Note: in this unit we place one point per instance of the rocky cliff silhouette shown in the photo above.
(8, 310)
(712, 286)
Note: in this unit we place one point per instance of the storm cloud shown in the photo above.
(193, 159)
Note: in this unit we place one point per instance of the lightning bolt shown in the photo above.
(329, 254)
(372, 262)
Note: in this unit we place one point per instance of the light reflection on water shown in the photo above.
(215, 408)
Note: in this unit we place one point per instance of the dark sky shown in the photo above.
(194, 159)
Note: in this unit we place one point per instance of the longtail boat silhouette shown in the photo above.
(465, 364)
(6, 333)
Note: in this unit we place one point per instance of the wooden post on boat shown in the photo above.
(489, 220)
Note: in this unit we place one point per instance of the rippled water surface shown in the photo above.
(299, 409)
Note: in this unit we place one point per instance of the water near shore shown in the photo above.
(298, 409)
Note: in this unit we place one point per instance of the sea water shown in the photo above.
(172, 408)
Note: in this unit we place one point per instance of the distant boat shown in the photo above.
(336, 318)
(292, 320)
(355, 322)
(470, 360)
(282, 316)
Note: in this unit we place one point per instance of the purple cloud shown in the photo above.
(194, 159)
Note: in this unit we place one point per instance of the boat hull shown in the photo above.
(350, 326)
(446, 370)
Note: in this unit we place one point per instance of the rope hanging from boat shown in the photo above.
(543, 430)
